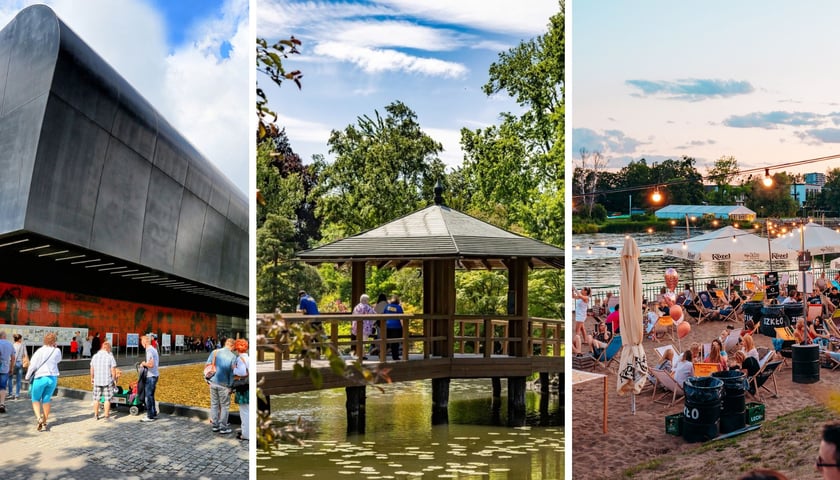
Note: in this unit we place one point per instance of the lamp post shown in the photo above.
(630, 206)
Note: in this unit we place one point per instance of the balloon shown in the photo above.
(676, 312)
(671, 279)
(683, 329)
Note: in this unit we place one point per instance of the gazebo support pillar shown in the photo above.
(439, 300)
(440, 401)
(518, 306)
(355, 405)
(516, 401)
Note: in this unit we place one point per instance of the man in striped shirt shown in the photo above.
(103, 371)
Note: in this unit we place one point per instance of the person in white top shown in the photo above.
(581, 308)
(43, 378)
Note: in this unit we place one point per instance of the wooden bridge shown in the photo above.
(472, 346)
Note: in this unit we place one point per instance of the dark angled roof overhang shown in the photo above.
(89, 167)
(437, 232)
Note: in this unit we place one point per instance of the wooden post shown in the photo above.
(357, 288)
(440, 401)
(497, 387)
(544, 381)
(516, 401)
(355, 406)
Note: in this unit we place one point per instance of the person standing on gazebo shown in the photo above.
(393, 326)
(366, 331)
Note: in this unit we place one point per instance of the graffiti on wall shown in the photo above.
(24, 305)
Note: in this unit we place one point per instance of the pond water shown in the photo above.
(601, 267)
(400, 441)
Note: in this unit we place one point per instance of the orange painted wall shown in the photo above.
(23, 305)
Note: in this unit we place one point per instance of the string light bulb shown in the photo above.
(768, 180)
(656, 197)
(685, 247)
(589, 250)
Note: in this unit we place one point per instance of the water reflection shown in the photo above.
(600, 268)
(400, 441)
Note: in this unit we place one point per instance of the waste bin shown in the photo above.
(806, 363)
(733, 404)
(752, 310)
(772, 317)
(702, 408)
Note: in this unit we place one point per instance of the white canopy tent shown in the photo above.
(728, 244)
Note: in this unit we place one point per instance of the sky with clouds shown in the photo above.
(188, 58)
(755, 79)
(359, 56)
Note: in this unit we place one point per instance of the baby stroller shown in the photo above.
(134, 396)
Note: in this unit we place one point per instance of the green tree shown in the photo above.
(270, 63)
(687, 181)
(774, 201)
(722, 174)
(531, 188)
(278, 277)
(829, 198)
(385, 167)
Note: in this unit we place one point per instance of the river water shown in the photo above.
(600, 269)
(400, 441)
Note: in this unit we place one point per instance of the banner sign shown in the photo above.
(33, 335)
(132, 340)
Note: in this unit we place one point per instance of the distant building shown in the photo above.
(815, 178)
(802, 191)
(723, 212)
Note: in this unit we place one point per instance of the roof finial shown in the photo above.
(439, 193)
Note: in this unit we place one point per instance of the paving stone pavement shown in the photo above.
(78, 447)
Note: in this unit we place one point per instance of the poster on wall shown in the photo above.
(179, 341)
(166, 342)
(132, 340)
(33, 335)
(109, 337)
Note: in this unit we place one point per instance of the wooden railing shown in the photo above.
(434, 335)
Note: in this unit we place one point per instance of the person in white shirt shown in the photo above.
(43, 378)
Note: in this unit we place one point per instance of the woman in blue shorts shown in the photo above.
(43, 377)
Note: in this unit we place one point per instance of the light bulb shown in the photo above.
(768, 180)
(656, 197)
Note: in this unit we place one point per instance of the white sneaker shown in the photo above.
(147, 419)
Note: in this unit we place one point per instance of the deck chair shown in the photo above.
(757, 296)
(664, 348)
(783, 342)
(665, 324)
(610, 353)
(707, 308)
(706, 349)
(702, 369)
(749, 287)
(730, 343)
(762, 377)
(690, 310)
(612, 304)
(664, 380)
(814, 311)
(721, 295)
(833, 359)
(732, 315)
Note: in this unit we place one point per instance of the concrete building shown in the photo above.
(108, 216)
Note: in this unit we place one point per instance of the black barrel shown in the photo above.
(793, 310)
(753, 310)
(772, 317)
(806, 363)
(702, 408)
(732, 410)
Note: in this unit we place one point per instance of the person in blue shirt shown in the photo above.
(308, 306)
(393, 326)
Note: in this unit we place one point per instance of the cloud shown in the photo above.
(452, 155)
(525, 18)
(772, 120)
(375, 34)
(691, 89)
(383, 60)
(820, 135)
(606, 142)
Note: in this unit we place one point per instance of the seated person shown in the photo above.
(650, 320)
(748, 365)
(734, 302)
(665, 365)
(815, 296)
(800, 335)
(613, 321)
(749, 347)
(600, 340)
(684, 369)
(834, 296)
(749, 328)
(819, 333)
(716, 357)
(732, 342)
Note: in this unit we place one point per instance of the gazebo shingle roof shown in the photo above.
(437, 232)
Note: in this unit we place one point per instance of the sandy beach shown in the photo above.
(640, 440)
